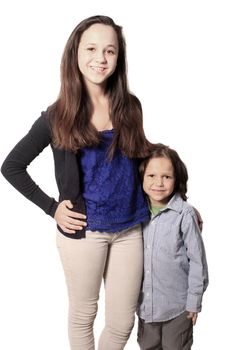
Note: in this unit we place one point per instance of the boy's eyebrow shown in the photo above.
(170, 173)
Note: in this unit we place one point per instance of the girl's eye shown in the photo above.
(91, 49)
(111, 52)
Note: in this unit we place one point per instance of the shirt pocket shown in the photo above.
(169, 239)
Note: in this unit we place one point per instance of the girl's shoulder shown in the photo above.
(134, 100)
(40, 131)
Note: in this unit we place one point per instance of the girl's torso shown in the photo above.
(111, 189)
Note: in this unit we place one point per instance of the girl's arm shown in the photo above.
(14, 168)
(199, 219)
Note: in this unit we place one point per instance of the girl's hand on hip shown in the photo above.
(193, 317)
(68, 220)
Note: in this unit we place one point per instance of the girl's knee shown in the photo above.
(121, 328)
(82, 316)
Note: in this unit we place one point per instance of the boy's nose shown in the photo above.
(159, 182)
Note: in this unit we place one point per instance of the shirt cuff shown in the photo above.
(194, 303)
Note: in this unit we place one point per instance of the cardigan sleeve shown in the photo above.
(14, 168)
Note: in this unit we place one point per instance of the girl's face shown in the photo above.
(97, 54)
(159, 181)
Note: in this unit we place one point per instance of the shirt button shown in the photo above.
(147, 294)
(148, 247)
(148, 271)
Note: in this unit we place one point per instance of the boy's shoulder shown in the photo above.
(181, 206)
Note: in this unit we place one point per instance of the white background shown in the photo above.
(180, 61)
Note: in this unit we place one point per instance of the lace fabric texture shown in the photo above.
(111, 189)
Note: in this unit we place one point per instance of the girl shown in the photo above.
(175, 268)
(96, 133)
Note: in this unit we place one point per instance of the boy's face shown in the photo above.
(159, 181)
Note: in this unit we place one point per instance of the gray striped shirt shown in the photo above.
(175, 267)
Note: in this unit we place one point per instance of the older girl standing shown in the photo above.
(96, 134)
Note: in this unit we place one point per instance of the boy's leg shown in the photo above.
(149, 335)
(123, 275)
(177, 334)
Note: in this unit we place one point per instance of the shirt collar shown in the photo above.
(175, 203)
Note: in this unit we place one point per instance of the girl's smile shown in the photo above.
(98, 69)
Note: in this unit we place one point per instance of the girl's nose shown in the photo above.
(100, 57)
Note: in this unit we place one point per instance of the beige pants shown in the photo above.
(119, 259)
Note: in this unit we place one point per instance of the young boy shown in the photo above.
(175, 267)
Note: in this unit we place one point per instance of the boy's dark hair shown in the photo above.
(159, 150)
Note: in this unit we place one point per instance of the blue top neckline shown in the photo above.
(106, 131)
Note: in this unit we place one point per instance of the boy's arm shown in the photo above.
(198, 269)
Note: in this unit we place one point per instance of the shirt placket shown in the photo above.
(148, 275)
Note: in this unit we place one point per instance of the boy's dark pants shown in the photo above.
(176, 334)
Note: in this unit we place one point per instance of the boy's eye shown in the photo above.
(91, 49)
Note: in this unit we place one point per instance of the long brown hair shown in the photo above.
(158, 150)
(71, 114)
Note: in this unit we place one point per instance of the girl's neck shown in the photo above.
(99, 100)
(100, 116)
(96, 93)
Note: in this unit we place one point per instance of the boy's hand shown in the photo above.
(193, 317)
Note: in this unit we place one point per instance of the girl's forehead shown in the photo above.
(99, 33)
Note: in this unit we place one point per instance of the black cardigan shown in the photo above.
(67, 176)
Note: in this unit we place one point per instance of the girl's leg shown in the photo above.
(123, 275)
(83, 262)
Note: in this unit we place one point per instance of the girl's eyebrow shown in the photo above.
(109, 45)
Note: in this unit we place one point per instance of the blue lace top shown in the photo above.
(111, 189)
